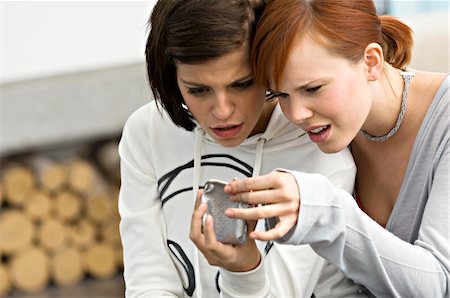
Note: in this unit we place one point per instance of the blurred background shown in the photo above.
(71, 73)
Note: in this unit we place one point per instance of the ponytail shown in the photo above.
(397, 41)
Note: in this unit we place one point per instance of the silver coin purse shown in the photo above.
(228, 230)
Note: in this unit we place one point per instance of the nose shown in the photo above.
(223, 106)
(296, 111)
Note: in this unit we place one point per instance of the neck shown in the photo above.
(264, 119)
(386, 102)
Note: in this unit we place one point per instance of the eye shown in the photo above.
(270, 95)
(244, 85)
(313, 89)
(274, 94)
(282, 95)
(197, 90)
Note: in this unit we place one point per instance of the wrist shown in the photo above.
(249, 261)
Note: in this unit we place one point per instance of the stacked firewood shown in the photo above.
(59, 221)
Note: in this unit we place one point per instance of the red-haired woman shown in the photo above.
(339, 73)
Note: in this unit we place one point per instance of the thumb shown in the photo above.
(198, 200)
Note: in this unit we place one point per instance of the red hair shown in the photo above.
(344, 27)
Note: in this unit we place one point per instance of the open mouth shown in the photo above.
(227, 131)
(319, 134)
(319, 130)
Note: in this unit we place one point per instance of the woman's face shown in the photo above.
(326, 95)
(223, 97)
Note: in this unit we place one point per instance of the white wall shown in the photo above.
(430, 21)
(41, 38)
(431, 50)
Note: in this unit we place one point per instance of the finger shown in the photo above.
(248, 184)
(265, 211)
(275, 233)
(265, 196)
(196, 223)
(213, 246)
(219, 250)
(209, 232)
(199, 240)
(198, 199)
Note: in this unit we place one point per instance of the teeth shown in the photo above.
(226, 128)
(319, 129)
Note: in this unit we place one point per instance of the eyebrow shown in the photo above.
(240, 80)
(303, 86)
(307, 84)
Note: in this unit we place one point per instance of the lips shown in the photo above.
(319, 133)
(228, 131)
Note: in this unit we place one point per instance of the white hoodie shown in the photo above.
(163, 165)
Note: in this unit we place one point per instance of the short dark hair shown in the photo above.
(193, 31)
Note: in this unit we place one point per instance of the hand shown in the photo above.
(237, 258)
(279, 196)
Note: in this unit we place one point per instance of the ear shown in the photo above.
(373, 61)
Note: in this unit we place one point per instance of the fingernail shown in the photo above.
(229, 213)
(208, 219)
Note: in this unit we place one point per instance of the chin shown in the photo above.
(330, 148)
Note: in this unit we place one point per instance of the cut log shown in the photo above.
(81, 175)
(100, 260)
(68, 206)
(30, 270)
(5, 281)
(99, 208)
(16, 231)
(67, 267)
(52, 235)
(38, 206)
(54, 177)
(110, 232)
(51, 174)
(18, 183)
(82, 234)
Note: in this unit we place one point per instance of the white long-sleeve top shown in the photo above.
(162, 166)
(411, 257)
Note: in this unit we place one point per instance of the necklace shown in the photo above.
(407, 75)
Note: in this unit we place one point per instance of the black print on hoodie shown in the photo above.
(219, 162)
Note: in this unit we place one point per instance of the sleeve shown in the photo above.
(259, 282)
(252, 283)
(331, 222)
(148, 269)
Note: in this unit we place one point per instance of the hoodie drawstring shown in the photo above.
(195, 187)
(258, 156)
(197, 161)
(260, 226)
